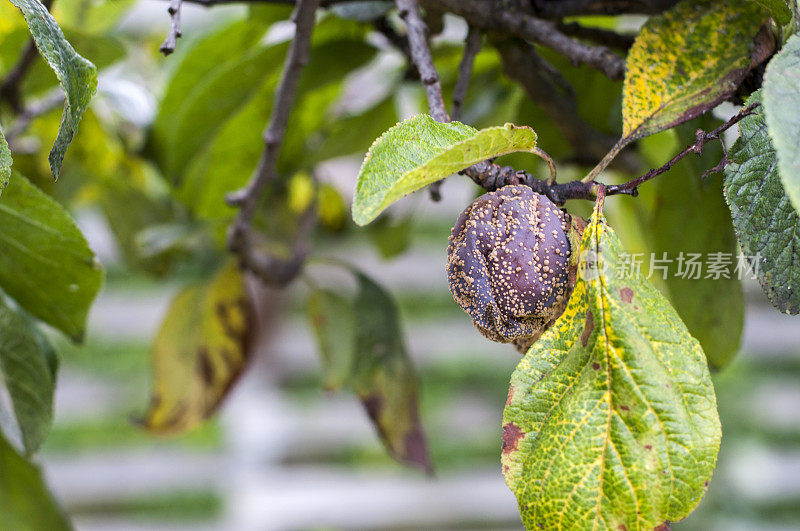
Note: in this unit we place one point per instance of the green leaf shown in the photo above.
(27, 374)
(778, 9)
(420, 151)
(711, 308)
(763, 217)
(197, 63)
(333, 320)
(5, 162)
(781, 95)
(199, 352)
(611, 417)
(687, 60)
(383, 376)
(209, 105)
(230, 157)
(46, 264)
(25, 502)
(78, 77)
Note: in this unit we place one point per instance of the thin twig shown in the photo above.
(702, 138)
(609, 38)
(488, 17)
(472, 45)
(242, 239)
(524, 65)
(34, 110)
(174, 10)
(418, 43)
(557, 9)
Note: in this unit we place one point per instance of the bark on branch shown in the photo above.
(243, 240)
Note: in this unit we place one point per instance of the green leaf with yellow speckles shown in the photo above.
(685, 62)
(781, 100)
(778, 9)
(78, 76)
(420, 151)
(611, 418)
(200, 350)
(5, 162)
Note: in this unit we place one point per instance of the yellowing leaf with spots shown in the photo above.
(611, 419)
(199, 352)
(688, 60)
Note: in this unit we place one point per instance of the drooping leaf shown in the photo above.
(420, 151)
(777, 10)
(27, 375)
(78, 77)
(781, 95)
(766, 224)
(332, 318)
(25, 502)
(711, 306)
(383, 376)
(5, 162)
(104, 51)
(200, 350)
(611, 417)
(362, 349)
(687, 60)
(46, 264)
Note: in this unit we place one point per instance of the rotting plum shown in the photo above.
(509, 263)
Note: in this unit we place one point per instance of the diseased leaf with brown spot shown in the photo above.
(616, 428)
(383, 376)
(201, 349)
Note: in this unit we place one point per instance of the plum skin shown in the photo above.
(508, 264)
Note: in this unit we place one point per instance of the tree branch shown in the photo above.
(174, 10)
(702, 138)
(522, 64)
(487, 16)
(608, 38)
(472, 45)
(10, 86)
(556, 9)
(242, 240)
(421, 54)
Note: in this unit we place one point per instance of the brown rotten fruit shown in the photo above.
(509, 263)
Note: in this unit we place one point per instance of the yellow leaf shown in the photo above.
(202, 347)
